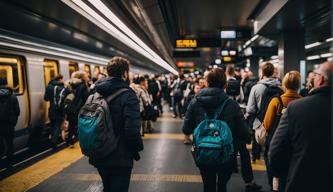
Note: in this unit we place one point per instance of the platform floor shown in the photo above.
(166, 165)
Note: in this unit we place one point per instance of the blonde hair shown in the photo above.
(78, 75)
(292, 80)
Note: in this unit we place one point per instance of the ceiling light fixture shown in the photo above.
(312, 45)
(135, 43)
(326, 55)
(329, 39)
(313, 57)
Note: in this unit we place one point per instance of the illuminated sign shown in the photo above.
(230, 34)
(226, 59)
(228, 52)
(182, 64)
(186, 43)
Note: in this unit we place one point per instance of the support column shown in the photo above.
(254, 65)
(291, 51)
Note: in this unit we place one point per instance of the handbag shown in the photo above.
(260, 133)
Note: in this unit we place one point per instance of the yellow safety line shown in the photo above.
(40, 171)
(135, 177)
(174, 136)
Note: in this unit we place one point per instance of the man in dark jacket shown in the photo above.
(303, 136)
(9, 112)
(53, 94)
(208, 101)
(115, 169)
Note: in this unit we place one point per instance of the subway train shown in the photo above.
(28, 67)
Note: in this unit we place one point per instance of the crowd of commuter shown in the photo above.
(292, 126)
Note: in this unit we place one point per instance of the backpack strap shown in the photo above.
(116, 94)
(220, 110)
(281, 103)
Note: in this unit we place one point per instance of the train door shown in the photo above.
(72, 68)
(51, 69)
(13, 75)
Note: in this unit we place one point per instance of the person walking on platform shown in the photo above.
(9, 112)
(291, 84)
(178, 86)
(78, 86)
(304, 135)
(115, 168)
(55, 93)
(212, 102)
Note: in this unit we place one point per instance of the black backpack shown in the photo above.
(59, 95)
(233, 87)
(269, 93)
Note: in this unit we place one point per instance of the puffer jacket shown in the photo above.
(125, 113)
(12, 107)
(208, 100)
(81, 92)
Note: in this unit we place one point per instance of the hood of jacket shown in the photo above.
(270, 82)
(5, 91)
(110, 85)
(211, 98)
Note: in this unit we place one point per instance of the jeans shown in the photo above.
(256, 149)
(8, 136)
(210, 174)
(115, 179)
(177, 107)
(55, 129)
(246, 168)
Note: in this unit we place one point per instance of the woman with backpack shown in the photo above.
(290, 84)
(212, 103)
(78, 86)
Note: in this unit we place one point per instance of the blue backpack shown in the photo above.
(96, 134)
(212, 141)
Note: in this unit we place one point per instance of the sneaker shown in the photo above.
(252, 186)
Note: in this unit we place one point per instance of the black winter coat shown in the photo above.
(81, 92)
(125, 113)
(12, 108)
(49, 96)
(302, 143)
(208, 100)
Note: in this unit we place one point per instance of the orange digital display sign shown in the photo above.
(186, 43)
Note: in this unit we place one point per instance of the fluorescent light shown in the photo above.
(127, 36)
(254, 38)
(313, 57)
(325, 55)
(329, 39)
(312, 45)
(218, 61)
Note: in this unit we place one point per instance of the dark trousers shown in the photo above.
(55, 129)
(268, 165)
(256, 149)
(72, 129)
(211, 174)
(8, 136)
(115, 179)
(246, 168)
(177, 107)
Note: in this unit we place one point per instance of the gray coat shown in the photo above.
(301, 145)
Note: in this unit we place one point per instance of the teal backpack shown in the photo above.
(212, 141)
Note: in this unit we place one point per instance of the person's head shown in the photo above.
(118, 67)
(143, 82)
(237, 71)
(216, 78)
(101, 76)
(197, 88)
(230, 71)
(202, 83)
(276, 73)
(323, 75)
(181, 76)
(59, 78)
(80, 75)
(292, 81)
(309, 80)
(267, 70)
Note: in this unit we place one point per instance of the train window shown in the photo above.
(73, 67)
(87, 70)
(50, 70)
(11, 72)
